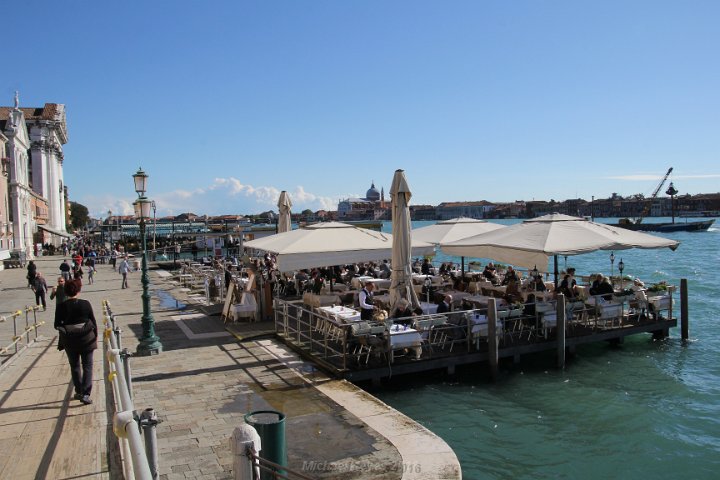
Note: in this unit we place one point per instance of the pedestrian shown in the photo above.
(31, 269)
(39, 286)
(58, 292)
(65, 270)
(124, 269)
(75, 322)
(113, 258)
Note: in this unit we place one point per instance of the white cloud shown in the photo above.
(223, 196)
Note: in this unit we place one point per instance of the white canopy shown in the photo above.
(401, 285)
(328, 244)
(454, 229)
(284, 219)
(532, 242)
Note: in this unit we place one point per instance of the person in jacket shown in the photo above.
(124, 269)
(32, 271)
(58, 292)
(78, 331)
(39, 286)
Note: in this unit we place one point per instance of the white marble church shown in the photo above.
(33, 195)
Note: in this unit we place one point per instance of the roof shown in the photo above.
(49, 112)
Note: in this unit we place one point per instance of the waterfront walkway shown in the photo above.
(201, 386)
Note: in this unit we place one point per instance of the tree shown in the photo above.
(307, 212)
(78, 215)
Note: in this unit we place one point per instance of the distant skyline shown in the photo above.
(225, 103)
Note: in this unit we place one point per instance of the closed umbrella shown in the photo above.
(284, 220)
(401, 276)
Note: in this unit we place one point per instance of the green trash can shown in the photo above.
(270, 426)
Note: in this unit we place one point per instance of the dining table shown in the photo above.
(402, 337)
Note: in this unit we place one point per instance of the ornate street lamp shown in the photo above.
(612, 262)
(149, 343)
(621, 267)
(672, 192)
(154, 248)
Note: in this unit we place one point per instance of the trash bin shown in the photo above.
(270, 425)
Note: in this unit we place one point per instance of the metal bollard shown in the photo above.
(35, 323)
(125, 357)
(148, 422)
(243, 438)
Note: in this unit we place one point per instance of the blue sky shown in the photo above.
(226, 103)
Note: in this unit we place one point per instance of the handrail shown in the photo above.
(273, 468)
(125, 426)
(18, 336)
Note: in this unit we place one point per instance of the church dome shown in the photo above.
(373, 193)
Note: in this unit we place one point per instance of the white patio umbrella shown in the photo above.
(401, 276)
(531, 243)
(454, 229)
(329, 244)
(447, 231)
(284, 205)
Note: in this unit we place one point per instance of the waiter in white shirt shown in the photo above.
(366, 302)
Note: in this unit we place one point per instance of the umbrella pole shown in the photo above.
(556, 271)
(462, 268)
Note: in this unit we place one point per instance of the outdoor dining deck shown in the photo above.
(337, 340)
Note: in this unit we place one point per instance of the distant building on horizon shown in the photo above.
(372, 207)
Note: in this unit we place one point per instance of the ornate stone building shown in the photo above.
(372, 207)
(36, 191)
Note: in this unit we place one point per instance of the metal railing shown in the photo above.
(126, 423)
(18, 337)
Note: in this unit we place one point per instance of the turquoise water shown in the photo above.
(646, 409)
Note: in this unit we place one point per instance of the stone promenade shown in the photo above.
(201, 385)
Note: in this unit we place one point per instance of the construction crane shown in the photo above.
(648, 203)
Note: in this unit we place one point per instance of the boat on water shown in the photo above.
(697, 226)
(637, 224)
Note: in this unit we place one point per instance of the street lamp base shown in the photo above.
(151, 346)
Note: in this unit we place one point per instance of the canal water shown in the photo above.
(645, 409)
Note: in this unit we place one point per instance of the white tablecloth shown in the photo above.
(344, 314)
(428, 308)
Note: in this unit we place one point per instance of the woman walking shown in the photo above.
(75, 321)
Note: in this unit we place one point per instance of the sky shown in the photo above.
(226, 103)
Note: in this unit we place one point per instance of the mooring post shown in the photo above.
(560, 330)
(492, 338)
(244, 438)
(684, 320)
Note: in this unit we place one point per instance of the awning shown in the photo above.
(54, 232)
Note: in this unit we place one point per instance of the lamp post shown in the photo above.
(149, 343)
(110, 229)
(621, 267)
(672, 192)
(612, 262)
(154, 207)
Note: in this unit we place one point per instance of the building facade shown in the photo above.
(36, 193)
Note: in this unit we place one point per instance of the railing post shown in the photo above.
(118, 336)
(684, 320)
(560, 330)
(15, 335)
(492, 338)
(125, 357)
(148, 422)
(27, 330)
(243, 438)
